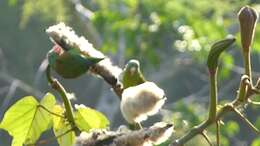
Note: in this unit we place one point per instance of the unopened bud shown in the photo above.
(247, 17)
(216, 49)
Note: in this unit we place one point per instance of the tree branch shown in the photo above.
(243, 118)
(206, 137)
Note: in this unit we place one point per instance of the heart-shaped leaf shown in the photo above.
(26, 119)
(62, 129)
(87, 118)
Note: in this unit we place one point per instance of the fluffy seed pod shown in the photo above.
(160, 132)
(248, 18)
(154, 135)
(139, 102)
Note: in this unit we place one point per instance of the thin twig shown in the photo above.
(47, 141)
(206, 137)
(47, 110)
(199, 128)
(218, 132)
(253, 102)
(243, 118)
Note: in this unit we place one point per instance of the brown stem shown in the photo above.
(47, 141)
(47, 110)
(247, 62)
(243, 118)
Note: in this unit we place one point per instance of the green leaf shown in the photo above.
(231, 128)
(216, 49)
(62, 129)
(257, 123)
(87, 118)
(26, 120)
(256, 142)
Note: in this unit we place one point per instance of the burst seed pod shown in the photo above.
(139, 102)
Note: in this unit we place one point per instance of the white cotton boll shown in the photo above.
(139, 102)
(155, 134)
(88, 48)
(84, 136)
(77, 106)
(107, 64)
(71, 96)
(123, 129)
(147, 143)
(65, 32)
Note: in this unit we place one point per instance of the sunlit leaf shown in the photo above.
(87, 118)
(26, 120)
(62, 129)
(257, 123)
(256, 142)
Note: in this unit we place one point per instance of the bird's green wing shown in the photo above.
(72, 63)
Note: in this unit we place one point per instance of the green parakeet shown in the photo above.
(132, 75)
(70, 63)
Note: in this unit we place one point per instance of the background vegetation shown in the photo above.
(171, 38)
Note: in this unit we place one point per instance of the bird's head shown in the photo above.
(132, 66)
(54, 53)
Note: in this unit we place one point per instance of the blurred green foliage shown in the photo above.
(44, 9)
(256, 142)
(148, 26)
